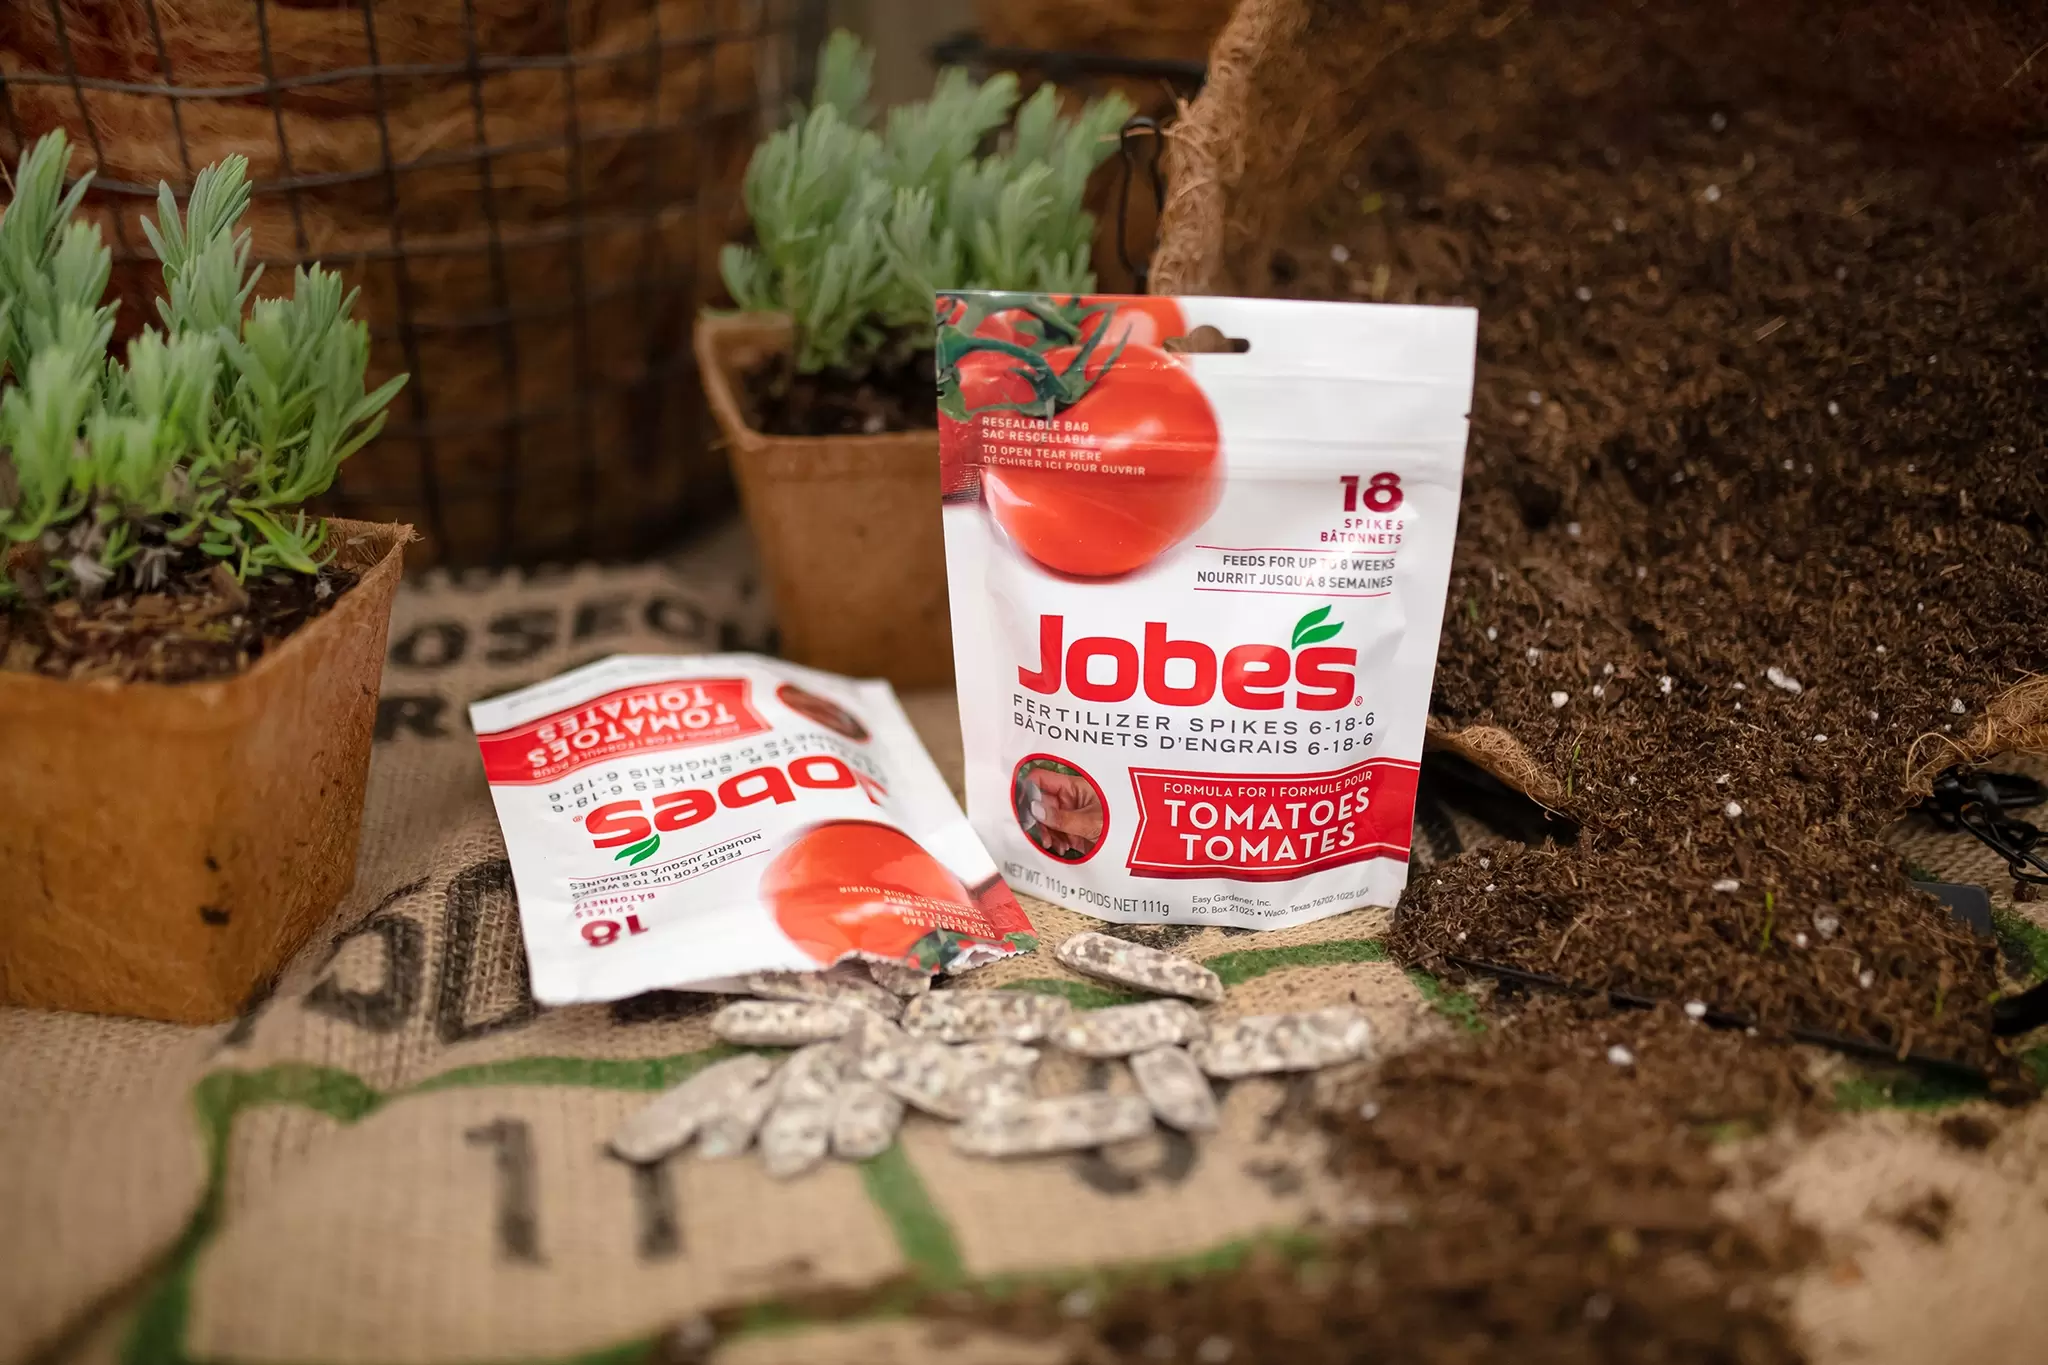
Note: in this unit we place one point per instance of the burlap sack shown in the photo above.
(399, 1158)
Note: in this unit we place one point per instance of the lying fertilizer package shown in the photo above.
(688, 821)
(1198, 551)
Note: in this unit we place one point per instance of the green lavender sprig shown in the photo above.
(856, 229)
(208, 435)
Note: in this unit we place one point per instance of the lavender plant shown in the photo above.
(856, 229)
(208, 436)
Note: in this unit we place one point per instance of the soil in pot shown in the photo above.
(898, 396)
(200, 625)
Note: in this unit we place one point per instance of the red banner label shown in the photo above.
(1258, 827)
(668, 715)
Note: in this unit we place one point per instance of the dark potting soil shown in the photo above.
(901, 396)
(1752, 518)
(202, 625)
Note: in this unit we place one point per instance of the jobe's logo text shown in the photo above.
(634, 827)
(1252, 677)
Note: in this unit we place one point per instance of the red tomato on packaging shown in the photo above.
(986, 377)
(1140, 321)
(842, 888)
(1006, 326)
(1153, 479)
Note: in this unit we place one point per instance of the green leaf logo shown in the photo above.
(1312, 630)
(640, 852)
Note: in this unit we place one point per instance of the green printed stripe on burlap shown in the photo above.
(1234, 969)
(1083, 995)
(921, 1231)
(1885, 1088)
(1453, 1004)
(598, 1073)
(1238, 968)
(2025, 935)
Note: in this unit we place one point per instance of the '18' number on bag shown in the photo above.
(1382, 492)
(599, 933)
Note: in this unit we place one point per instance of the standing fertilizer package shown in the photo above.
(1198, 551)
(688, 821)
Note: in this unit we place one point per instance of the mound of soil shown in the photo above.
(1754, 501)
(900, 396)
(202, 625)
(1495, 1244)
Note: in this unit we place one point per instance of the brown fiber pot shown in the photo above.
(164, 847)
(848, 526)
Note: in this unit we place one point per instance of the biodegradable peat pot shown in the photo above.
(164, 847)
(848, 525)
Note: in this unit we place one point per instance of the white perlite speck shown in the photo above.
(1122, 1030)
(1733, 810)
(900, 980)
(865, 1121)
(1783, 681)
(673, 1117)
(1260, 1044)
(1135, 964)
(1621, 1056)
(781, 1023)
(1559, 700)
(1664, 684)
(846, 984)
(1065, 1124)
(1956, 706)
(1827, 926)
(1695, 1009)
(975, 1016)
(1727, 884)
(1176, 1089)
(796, 1136)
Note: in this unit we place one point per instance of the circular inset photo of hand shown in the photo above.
(1059, 808)
(829, 714)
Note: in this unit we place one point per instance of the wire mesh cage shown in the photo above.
(530, 195)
